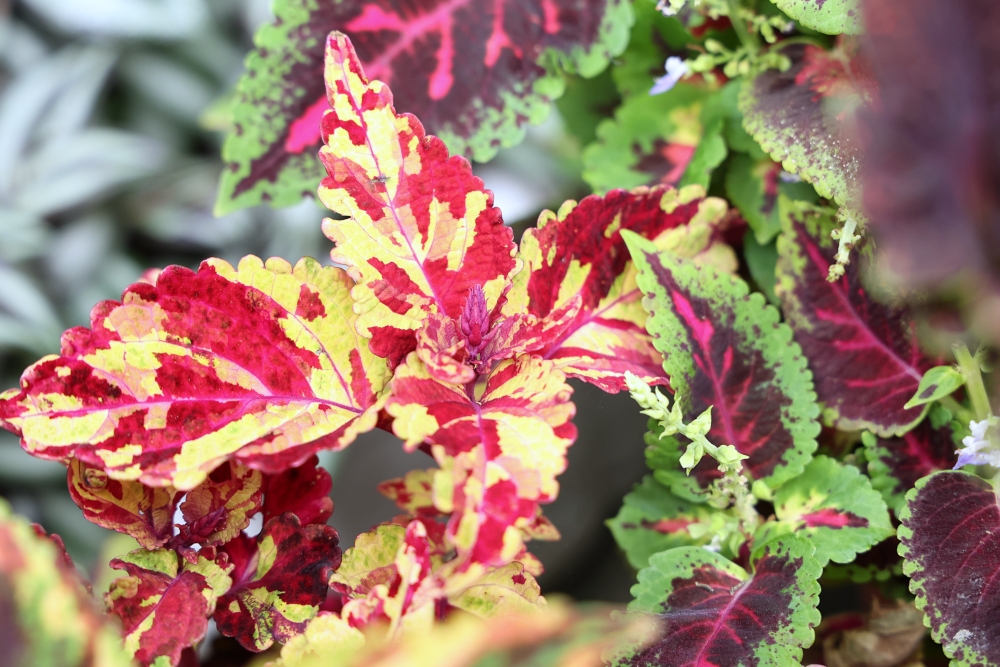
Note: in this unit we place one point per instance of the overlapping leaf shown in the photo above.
(500, 448)
(724, 348)
(863, 354)
(752, 186)
(46, 617)
(216, 510)
(303, 491)
(652, 519)
(259, 363)
(896, 464)
(832, 505)
(408, 577)
(146, 513)
(804, 117)
(474, 71)
(279, 581)
(651, 140)
(421, 230)
(717, 613)
(578, 282)
(164, 603)
(830, 16)
(951, 542)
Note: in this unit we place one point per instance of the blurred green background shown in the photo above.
(112, 113)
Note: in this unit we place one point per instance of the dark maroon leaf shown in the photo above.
(864, 355)
(277, 587)
(896, 464)
(950, 537)
(932, 170)
(715, 613)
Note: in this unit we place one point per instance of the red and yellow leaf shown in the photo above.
(146, 513)
(579, 282)
(278, 582)
(163, 607)
(500, 444)
(408, 577)
(259, 363)
(220, 507)
(421, 229)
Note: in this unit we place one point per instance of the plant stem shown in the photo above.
(740, 26)
(969, 367)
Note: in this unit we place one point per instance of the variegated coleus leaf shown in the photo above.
(500, 446)
(864, 355)
(652, 519)
(832, 505)
(164, 603)
(716, 613)
(408, 576)
(555, 635)
(578, 282)
(725, 348)
(475, 71)
(950, 540)
(259, 363)
(421, 230)
(47, 618)
(216, 510)
(804, 117)
(830, 16)
(752, 185)
(279, 581)
(896, 464)
(146, 513)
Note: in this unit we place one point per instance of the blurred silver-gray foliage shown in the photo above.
(112, 114)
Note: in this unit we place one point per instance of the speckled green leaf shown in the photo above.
(652, 519)
(803, 117)
(834, 506)
(830, 16)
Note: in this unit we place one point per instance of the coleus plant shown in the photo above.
(797, 427)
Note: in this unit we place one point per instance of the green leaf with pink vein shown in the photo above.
(726, 349)
(834, 506)
(474, 71)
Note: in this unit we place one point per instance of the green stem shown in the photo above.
(969, 367)
(955, 408)
(740, 26)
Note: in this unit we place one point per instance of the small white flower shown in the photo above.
(675, 68)
(976, 448)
